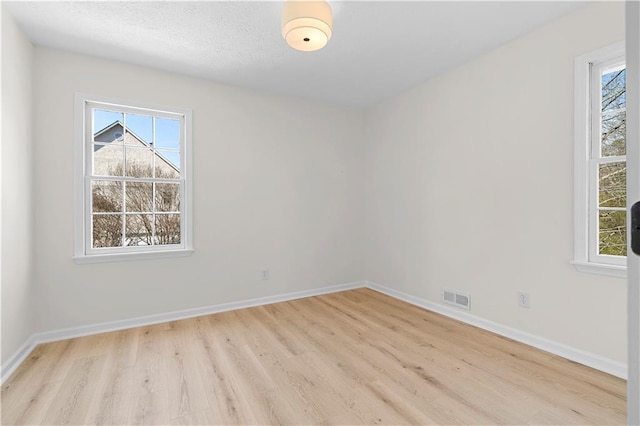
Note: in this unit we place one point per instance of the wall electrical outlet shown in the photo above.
(524, 300)
(265, 274)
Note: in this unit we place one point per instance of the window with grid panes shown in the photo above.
(608, 161)
(135, 197)
(600, 166)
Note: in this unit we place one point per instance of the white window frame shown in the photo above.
(587, 124)
(83, 252)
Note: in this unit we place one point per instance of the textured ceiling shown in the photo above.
(378, 48)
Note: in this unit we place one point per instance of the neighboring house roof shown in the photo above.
(108, 136)
(111, 126)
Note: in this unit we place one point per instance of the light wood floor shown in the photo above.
(356, 357)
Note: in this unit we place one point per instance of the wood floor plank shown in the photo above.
(112, 404)
(29, 405)
(73, 399)
(355, 357)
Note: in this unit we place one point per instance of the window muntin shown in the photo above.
(135, 178)
(607, 192)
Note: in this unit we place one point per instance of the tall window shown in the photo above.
(600, 165)
(133, 197)
(608, 159)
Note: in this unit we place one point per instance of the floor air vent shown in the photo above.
(457, 299)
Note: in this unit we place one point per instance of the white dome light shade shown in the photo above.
(306, 25)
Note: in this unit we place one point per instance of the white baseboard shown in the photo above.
(592, 360)
(68, 333)
(17, 358)
(51, 336)
(598, 362)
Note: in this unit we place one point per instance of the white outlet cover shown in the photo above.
(524, 299)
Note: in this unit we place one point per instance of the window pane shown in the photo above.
(107, 230)
(139, 197)
(107, 126)
(612, 184)
(108, 160)
(613, 90)
(138, 230)
(612, 233)
(106, 196)
(167, 197)
(139, 130)
(614, 134)
(167, 229)
(167, 164)
(139, 162)
(167, 133)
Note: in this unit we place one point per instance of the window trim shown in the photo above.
(584, 178)
(83, 253)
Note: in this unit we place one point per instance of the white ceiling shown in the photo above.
(378, 48)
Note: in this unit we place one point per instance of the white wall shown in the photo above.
(469, 187)
(277, 184)
(17, 207)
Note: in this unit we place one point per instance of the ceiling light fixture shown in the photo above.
(306, 25)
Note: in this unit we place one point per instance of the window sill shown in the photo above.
(119, 257)
(617, 271)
